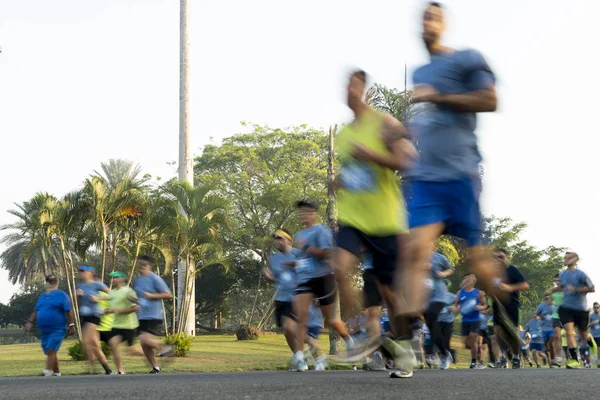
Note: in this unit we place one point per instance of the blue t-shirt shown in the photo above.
(87, 308)
(523, 338)
(446, 137)
(446, 315)
(534, 327)
(439, 290)
(315, 317)
(545, 312)
(484, 319)
(51, 311)
(468, 302)
(308, 267)
(595, 329)
(152, 283)
(285, 276)
(578, 279)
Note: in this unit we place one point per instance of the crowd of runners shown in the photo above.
(393, 239)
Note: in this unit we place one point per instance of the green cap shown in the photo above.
(117, 274)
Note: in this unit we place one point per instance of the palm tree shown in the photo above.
(392, 101)
(198, 222)
(110, 199)
(31, 252)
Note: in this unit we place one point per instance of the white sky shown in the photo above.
(85, 81)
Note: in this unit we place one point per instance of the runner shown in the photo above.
(575, 285)
(89, 312)
(441, 269)
(525, 341)
(595, 327)
(506, 313)
(315, 325)
(315, 279)
(534, 328)
(557, 300)
(52, 311)
(485, 346)
(285, 282)
(470, 301)
(545, 311)
(446, 322)
(372, 301)
(123, 306)
(445, 184)
(106, 320)
(150, 290)
(370, 212)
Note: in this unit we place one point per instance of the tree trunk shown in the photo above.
(249, 322)
(74, 299)
(174, 309)
(135, 258)
(69, 286)
(45, 261)
(104, 241)
(332, 223)
(190, 321)
(219, 320)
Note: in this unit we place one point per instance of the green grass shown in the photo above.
(210, 353)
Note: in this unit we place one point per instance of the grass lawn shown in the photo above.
(210, 353)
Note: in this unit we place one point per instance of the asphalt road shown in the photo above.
(453, 384)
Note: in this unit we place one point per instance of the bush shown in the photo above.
(181, 342)
(76, 351)
(247, 332)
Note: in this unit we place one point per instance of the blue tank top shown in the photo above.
(468, 303)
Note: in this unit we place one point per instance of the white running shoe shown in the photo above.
(46, 372)
(446, 361)
(376, 363)
(321, 363)
(57, 374)
(401, 374)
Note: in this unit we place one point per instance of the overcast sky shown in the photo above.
(85, 81)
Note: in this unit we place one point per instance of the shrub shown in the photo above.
(76, 351)
(247, 332)
(181, 342)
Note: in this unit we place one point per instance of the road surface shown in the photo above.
(453, 384)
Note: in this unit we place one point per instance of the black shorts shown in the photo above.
(151, 326)
(89, 320)
(127, 335)
(383, 250)
(579, 318)
(484, 333)
(370, 289)
(556, 323)
(283, 309)
(470, 327)
(323, 289)
(105, 336)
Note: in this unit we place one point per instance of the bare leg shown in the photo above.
(114, 348)
(334, 322)
(52, 363)
(289, 331)
(301, 304)
(150, 343)
(343, 263)
(373, 324)
(473, 339)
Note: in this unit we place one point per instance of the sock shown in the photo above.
(473, 361)
(515, 357)
(573, 353)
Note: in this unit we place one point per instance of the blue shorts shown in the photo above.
(547, 335)
(536, 346)
(52, 340)
(455, 203)
(313, 331)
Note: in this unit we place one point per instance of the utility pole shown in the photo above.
(185, 287)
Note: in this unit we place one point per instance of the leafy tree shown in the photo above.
(392, 101)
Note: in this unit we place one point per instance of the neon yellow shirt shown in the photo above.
(369, 198)
(120, 299)
(106, 320)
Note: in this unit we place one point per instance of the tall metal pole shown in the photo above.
(185, 165)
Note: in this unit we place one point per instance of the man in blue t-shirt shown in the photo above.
(443, 188)
(314, 274)
(151, 289)
(573, 312)
(545, 311)
(51, 313)
(534, 328)
(284, 276)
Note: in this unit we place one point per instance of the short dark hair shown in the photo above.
(557, 275)
(436, 4)
(596, 304)
(503, 250)
(360, 74)
(146, 258)
(306, 204)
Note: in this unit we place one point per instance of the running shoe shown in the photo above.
(357, 352)
(446, 361)
(480, 366)
(376, 363)
(402, 353)
(558, 361)
(321, 363)
(473, 365)
(573, 364)
(46, 372)
(516, 363)
(57, 374)
(492, 365)
(401, 374)
(155, 371)
(167, 351)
